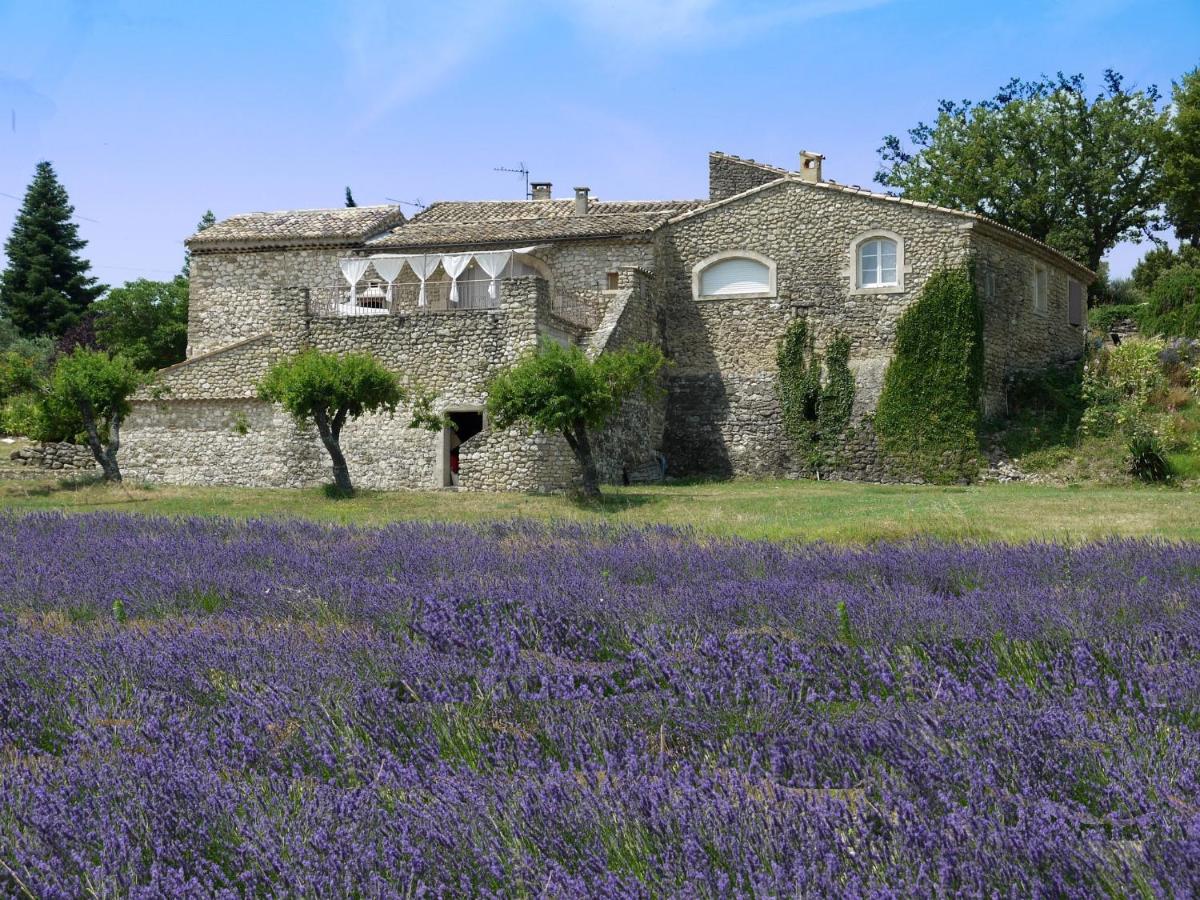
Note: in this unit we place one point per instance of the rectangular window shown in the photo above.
(613, 281)
(1040, 289)
(1074, 303)
(989, 285)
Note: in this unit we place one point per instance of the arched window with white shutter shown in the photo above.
(877, 263)
(734, 273)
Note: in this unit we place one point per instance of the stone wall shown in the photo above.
(630, 443)
(724, 408)
(1017, 337)
(230, 296)
(59, 455)
(205, 427)
(729, 175)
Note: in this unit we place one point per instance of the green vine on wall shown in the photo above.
(928, 416)
(816, 409)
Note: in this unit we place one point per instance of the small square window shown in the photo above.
(613, 281)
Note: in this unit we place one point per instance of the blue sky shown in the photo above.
(154, 112)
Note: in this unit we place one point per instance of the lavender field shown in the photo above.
(279, 708)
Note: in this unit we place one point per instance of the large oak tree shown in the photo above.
(1080, 172)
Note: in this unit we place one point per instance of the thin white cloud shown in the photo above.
(669, 24)
(397, 52)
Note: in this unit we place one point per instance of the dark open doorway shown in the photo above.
(467, 424)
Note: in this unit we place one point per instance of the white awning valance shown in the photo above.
(423, 265)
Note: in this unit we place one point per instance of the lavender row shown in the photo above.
(282, 709)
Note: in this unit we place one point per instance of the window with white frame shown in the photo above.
(734, 274)
(877, 263)
(1041, 289)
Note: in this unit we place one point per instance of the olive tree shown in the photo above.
(92, 389)
(558, 388)
(328, 390)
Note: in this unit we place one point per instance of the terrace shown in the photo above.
(389, 284)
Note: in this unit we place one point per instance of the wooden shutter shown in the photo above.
(1074, 303)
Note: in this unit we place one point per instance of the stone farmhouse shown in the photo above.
(450, 296)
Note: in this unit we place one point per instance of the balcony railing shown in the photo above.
(371, 298)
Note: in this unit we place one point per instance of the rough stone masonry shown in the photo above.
(714, 282)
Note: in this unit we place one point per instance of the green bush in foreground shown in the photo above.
(928, 417)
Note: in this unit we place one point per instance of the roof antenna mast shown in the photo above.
(521, 170)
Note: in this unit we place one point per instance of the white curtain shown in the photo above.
(423, 266)
(493, 264)
(389, 268)
(454, 264)
(354, 269)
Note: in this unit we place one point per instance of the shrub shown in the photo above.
(1105, 318)
(24, 414)
(1147, 458)
(1174, 307)
(929, 411)
(1119, 383)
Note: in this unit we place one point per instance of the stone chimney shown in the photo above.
(541, 190)
(810, 166)
(581, 201)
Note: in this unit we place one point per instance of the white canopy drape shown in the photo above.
(354, 268)
(493, 264)
(423, 266)
(455, 264)
(389, 270)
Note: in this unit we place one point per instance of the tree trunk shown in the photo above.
(106, 457)
(577, 439)
(331, 437)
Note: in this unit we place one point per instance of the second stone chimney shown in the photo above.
(810, 166)
(581, 201)
(540, 190)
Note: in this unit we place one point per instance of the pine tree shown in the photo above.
(349, 197)
(206, 221)
(46, 288)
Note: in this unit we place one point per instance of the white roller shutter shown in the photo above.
(730, 277)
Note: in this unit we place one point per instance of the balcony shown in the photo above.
(371, 297)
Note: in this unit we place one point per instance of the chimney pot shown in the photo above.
(581, 201)
(810, 166)
(541, 190)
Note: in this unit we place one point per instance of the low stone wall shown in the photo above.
(60, 455)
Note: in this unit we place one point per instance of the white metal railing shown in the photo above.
(371, 298)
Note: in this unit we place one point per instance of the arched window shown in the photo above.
(734, 274)
(877, 263)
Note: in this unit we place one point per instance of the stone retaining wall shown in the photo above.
(61, 455)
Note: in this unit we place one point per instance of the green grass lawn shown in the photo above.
(775, 509)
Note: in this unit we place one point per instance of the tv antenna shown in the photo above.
(416, 203)
(521, 170)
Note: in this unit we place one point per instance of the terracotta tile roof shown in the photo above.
(470, 223)
(298, 227)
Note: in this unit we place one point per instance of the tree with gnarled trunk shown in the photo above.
(93, 388)
(328, 390)
(560, 389)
